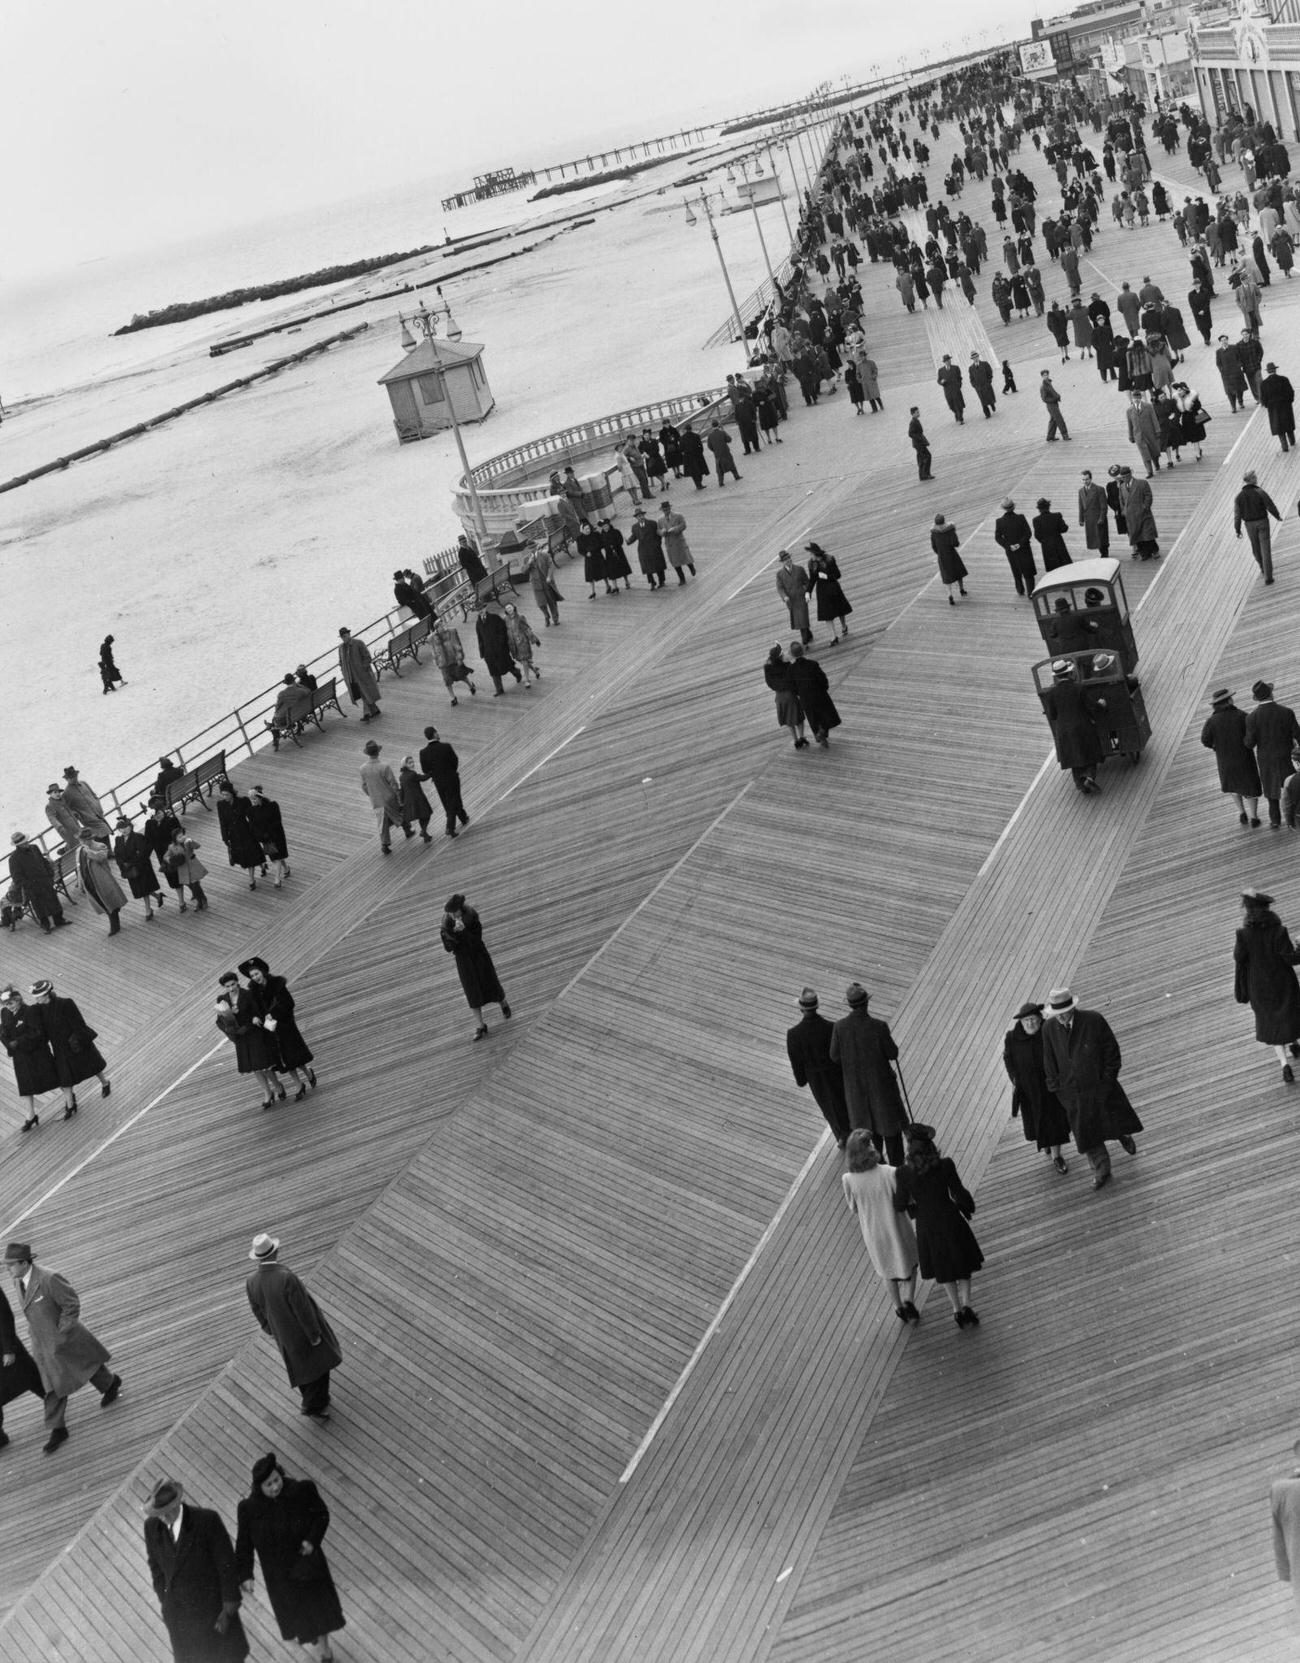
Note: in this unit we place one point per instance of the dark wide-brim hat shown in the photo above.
(1262, 690)
(918, 1132)
(1029, 1008)
(18, 1253)
(165, 1496)
(249, 965)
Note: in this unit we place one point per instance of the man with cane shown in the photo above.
(865, 1050)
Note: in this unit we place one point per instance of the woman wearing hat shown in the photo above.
(72, 1044)
(243, 846)
(24, 1039)
(946, 1244)
(268, 828)
(1265, 979)
(1224, 733)
(952, 568)
(272, 1006)
(832, 603)
(415, 805)
(789, 713)
(131, 853)
(869, 1188)
(1041, 1112)
(102, 888)
(462, 935)
(255, 1049)
(283, 1521)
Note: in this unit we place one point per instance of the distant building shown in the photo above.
(430, 374)
(1246, 55)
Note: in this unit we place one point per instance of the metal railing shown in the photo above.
(753, 305)
(240, 732)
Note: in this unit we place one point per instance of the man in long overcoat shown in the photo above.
(980, 376)
(1078, 744)
(66, 1353)
(920, 444)
(792, 586)
(808, 1045)
(1272, 733)
(809, 681)
(949, 378)
(1081, 1063)
(865, 1049)
(494, 648)
(1139, 516)
(1224, 733)
(30, 871)
(60, 815)
(649, 542)
(358, 672)
(1012, 535)
(18, 1372)
(1093, 515)
(1277, 395)
(439, 763)
(1231, 373)
(288, 1313)
(1144, 432)
(192, 1564)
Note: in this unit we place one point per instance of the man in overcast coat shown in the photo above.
(865, 1049)
(288, 1313)
(808, 1044)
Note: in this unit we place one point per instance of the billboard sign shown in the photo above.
(1036, 58)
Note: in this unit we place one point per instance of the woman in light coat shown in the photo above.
(522, 640)
(869, 1187)
(96, 875)
(180, 861)
(541, 575)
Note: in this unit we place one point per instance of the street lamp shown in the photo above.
(785, 212)
(691, 219)
(743, 165)
(426, 322)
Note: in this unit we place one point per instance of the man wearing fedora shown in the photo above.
(808, 1045)
(865, 1049)
(288, 1313)
(1251, 508)
(1224, 733)
(1081, 1063)
(192, 1564)
(66, 1353)
(1012, 535)
(1272, 732)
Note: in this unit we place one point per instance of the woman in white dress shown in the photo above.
(891, 1241)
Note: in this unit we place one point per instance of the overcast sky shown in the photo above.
(141, 121)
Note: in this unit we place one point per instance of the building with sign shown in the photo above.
(1247, 56)
(1151, 66)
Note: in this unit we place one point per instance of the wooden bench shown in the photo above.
(197, 785)
(403, 643)
(326, 697)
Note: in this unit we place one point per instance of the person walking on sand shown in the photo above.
(792, 586)
(1040, 1112)
(109, 673)
(283, 1522)
(462, 935)
(66, 1353)
(440, 764)
(358, 671)
(379, 784)
(288, 1313)
(946, 1244)
(865, 1049)
(1273, 733)
(1265, 979)
(1224, 733)
(1052, 399)
(1081, 1064)
(869, 1189)
(808, 1046)
(192, 1566)
(672, 532)
(72, 1044)
(952, 569)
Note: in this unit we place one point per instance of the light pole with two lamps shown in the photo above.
(426, 322)
(743, 165)
(691, 219)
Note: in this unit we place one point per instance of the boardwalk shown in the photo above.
(618, 1383)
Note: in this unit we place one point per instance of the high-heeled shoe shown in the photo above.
(311, 1077)
(913, 1315)
(281, 1094)
(900, 1311)
(959, 1317)
(71, 1109)
(268, 1102)
(300, 1094)
(106, 1089)
(34, 1121)
(505, 1009)
(972, 1321)
(482, 1032)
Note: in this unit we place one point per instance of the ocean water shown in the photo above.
(231, 543)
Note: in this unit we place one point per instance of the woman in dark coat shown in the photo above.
(1041, 1112)
(255, 1049)
(273, 1011)
(23, 1036)
(671, 445)
(283, 1520)
(31, 872)
(616, 566)
(1049, 534)
(131, 853)
(648, 445)
(694, 461)
(952, 569)
(949, 1253)
(1265, 980)
(809, 680)
(415, 805)
(243, 847)
(462, 934)
(777, 674)
(1224, 733)
(72, 1045)
(592, 551)
(18, 1371)
(268, 827)
(494, 649)
(832, 603)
